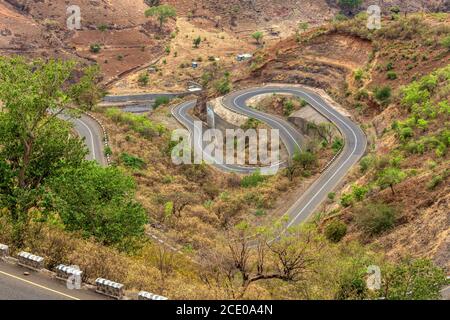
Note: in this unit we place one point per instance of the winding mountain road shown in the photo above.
(354, 148)
(89, 130)
(308, 202)
(16, 286)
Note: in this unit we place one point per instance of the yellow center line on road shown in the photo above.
(39, 286)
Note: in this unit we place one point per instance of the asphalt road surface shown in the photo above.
(354, 149)
(89, 130)
(14, 285)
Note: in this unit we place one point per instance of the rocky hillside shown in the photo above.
(395, 82)
(125, 37)
(236, 13)
(118, 36)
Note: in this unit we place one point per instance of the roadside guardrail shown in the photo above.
(64, 272)
(4, 250)
(105, 135)
(144, 295)
(109, 288)
(30, 261)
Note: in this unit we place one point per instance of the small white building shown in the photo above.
(244, 56)
(194, 89)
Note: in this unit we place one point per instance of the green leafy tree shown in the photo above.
(300, 159)
(412, 280)
(389, 177)
(375, 218)
(162, 12)
(223, 85)
(84, 93)
(197, 42)
(306, 159)
(34, 142)
(335, 231)
(258, 35)
(97, 202)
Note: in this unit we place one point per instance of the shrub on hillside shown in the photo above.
(383, 94)
(132, 161)
(391, 75)
(138, 123)
(95, 48)
(446, 42)
(161, 101)
(252, 180)
(143, 79)
(375, 218)
(335, 231)
(224, 86)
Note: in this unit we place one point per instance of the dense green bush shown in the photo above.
(359, 74)
(138, 123)
(224, 86)
(335, 231)
(405, 28)
(352, 286)
(347, 200)
(288, 107)
(383, 94)
(95, 48)
(359, 192)
(97, 202)
(143, 79)
(434, 182)
(391, 75)
(107, 151)
(251, 123)
(446, 42)
(132, 161)
(366, 163)
(252, 180)
(349, 4)
(406, 133)
(159, 101)
(375, 218)
(337, 145)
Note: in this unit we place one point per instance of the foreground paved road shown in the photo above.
(354, 149)
(14, 285)
(89, 130)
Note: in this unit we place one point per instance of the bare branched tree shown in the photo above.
(164, 263)
(255, 258)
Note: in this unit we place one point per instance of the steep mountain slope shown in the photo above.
(124, 34)
(395, 82)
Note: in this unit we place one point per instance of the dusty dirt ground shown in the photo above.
(174, 68)
(39, 29)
